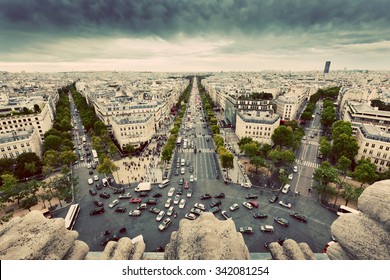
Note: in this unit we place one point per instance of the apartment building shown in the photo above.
(289, 104)
(374, 144)
(257, 125)
(20, 140)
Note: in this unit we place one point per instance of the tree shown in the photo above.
(107, 166)
(129, 148)
(341, 127)
(112, 150)
(67, 158)
(282, 136)
(36, 108)
(7, 165)
(326, 174)
(215, 129)
(28, 164)
(274, 156)
(345, 145)
(50, 159)
(328, 116)
(325, 147)
(365, 172)
(226, 158)
(244, 140)
(99, 128)
(258, 162)
(287, 156)
(343, 165)
(218, 140)
(8, 188)
(52, 142)
(251, 149)
(351, 193)
(283, 179)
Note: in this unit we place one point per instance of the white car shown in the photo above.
(160, 216)
(286, 188)
(176, 199)
(295, 169)
(190, 216)
(291, 176)
(90, 181)
(200, 206)
(246, 185)
(234, 207)
(267, 228)
(170, 211)
(135, 213)
(189, 193)
(114, 203)
(247, 205)
(89, 165)
(96, 177)
(182, 203)
(285, 204)
(171, 192)
(191, 178)
(168, 203)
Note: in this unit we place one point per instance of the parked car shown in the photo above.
(143, 194)
(286, 188)
(96, 177)
(179, 190)
(120, 209)
(92, 191)
(114, 203)
(295, 169)
(186, 185)
(215, 209)
(170, 211)
(254, 203)
(221, 195)
(267, 228)
(154, 210)
(281, 221)
(96, 211)
(246, 230)
(247, 205)
(190, 216)
(135, 200)
(90, 172)
(98, 186)
(182, 203)
(157, 194)
(165, 224)
(299, 217)
(181, 181)
(125, 195)
(98, 203)
(251, 196)
(171, 192)
(246, 185)
(200, 206)
(168, 203)
(119, 191)
(160, 216)
(104, 195)
(273, 198)
(285, 204)
(189, 193)
(196, 211)
(135, 213)
(176, 199)
(291, 176)
(205, 196)
(226, 215)
(215, 203)
(152, 201)
(90, 181)
(234, 207)
(259, 215)
(142, 206)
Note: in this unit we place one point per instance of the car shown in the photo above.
(182, 203)
(89, 165)
(135, 213)
(154, 210)
(179, 190)
(142, 206)
(295, 169)
(120, 209)
(246, 230)
(189, 193)
(157, 194)
(171, 192)
(176, 199)
(152, 201)
(191, 169)
(92, 191)
(98, 186)
(299, 217)
(186, 185)
(181, 181)
(165, 224)
(226, 215)
(160, 216)
(125, 195)
(247, 205)
(311, 136)
(190, 216)
(90, 172)
(104, 195)
(250, 196)
(220, 195)
(191, 178)
(246, 185)
(285, 203)
(281, 221)
(114, 203)
(234, 207)
(286, 188)
(96, 211)
(273, 199)
(168, 203)
(98, 203)
(196, 211)
(205, 196)
(200, 206)
(215, 209)
(291, 176)
(304, 138)
(170, 211)
(215, 203)
(280, 241)
(143, 194)
(254, 203)
(119, 191)
(177, 172)
(135, 200)
(90, 181)
(96, 177)
(267, 228)
(259, 215)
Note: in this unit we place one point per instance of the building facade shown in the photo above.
(21, 140)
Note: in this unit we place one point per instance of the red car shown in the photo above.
(186, 185)
(135, 200)
(254, 203)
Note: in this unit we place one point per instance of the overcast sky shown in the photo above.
(194, 35)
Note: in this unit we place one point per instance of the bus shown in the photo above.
(71, 216)
(95, 156)
(345, 209)
(178, 141)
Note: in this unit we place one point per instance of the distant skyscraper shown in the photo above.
(327, 66)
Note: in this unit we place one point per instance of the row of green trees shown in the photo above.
(330, 93)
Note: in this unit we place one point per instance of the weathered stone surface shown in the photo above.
(123, 250)
(291, 250)
(336, 252)
(206, 238)
(34, 237)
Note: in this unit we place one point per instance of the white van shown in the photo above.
(90, 181)
(286, 188)
(164, 184)
(183, 162)
(183, 170)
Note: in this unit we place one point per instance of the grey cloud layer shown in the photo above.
(166, 18)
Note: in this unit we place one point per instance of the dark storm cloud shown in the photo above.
(170, 17)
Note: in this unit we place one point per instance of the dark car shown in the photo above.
(181, 181)
(221, 195)
(259, 215)
(157, 194)
(273, 198)
(280, 241)
(92, 191)
(96, 211)
(90, 172)
(104, 195)
(281, 221)
(246, 230)
(98, 186)
(176, 172)
(250, 196)
(152, 201)
(215, 209)
(143, 194)
(120, 209)
(254, 203)
(205, 196)
(215, 203)
(179, 190)
(98, 203)
(119, 191)
(299, 217)
(154, 210)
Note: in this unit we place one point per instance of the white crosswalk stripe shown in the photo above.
(80, 164)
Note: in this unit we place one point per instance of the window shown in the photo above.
(372, 145)
(382, 162)
(381, 147)
(9, 148)
(378, 154)
(376, 161)
(370, 152)
(364, 151)
(367, 144)
(387, 148)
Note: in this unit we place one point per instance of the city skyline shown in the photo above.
(193, 36)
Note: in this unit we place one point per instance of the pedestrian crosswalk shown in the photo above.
(80, 164)
(307, 163)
